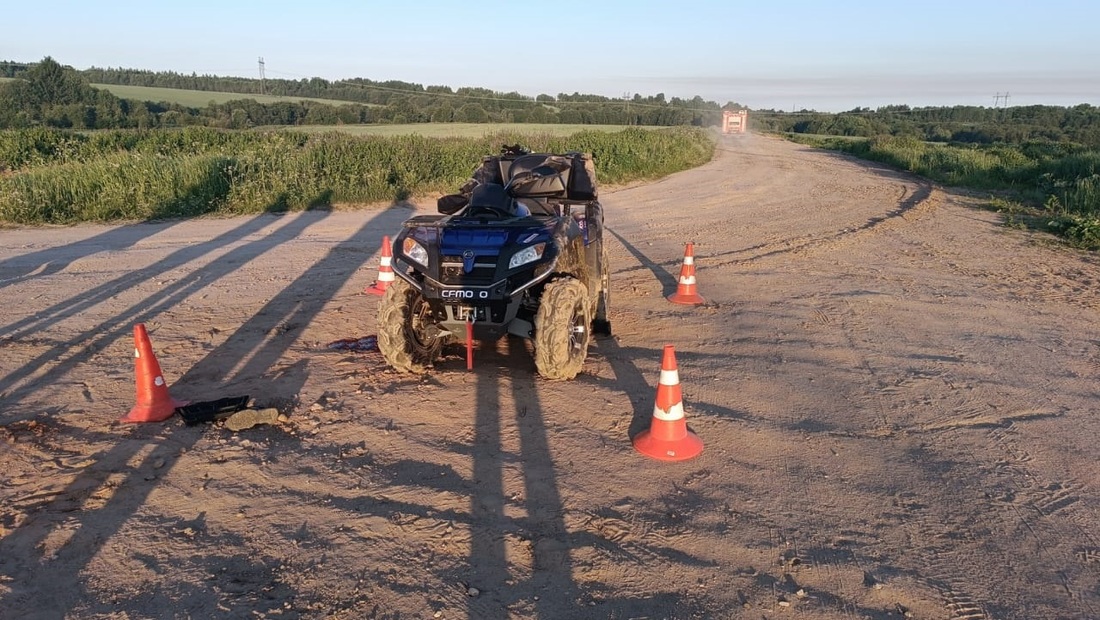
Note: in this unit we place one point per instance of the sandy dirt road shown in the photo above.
(898, 398)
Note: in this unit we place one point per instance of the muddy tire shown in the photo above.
(562, 329)
(407, 336)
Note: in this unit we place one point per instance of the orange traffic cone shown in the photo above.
(154, 404)
(685, 291)
(668, 438)
(385, 269)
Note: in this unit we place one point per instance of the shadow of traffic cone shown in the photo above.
(668, 438)
(154, 404)
(685, 290)
(385, 269)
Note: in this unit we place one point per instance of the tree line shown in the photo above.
(1079, 124)
(47, 93)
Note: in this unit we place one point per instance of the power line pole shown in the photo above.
(263, 90)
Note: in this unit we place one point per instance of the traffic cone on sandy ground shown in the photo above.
(154, 404)
(668, 438)
(385, 269)
(685, 291)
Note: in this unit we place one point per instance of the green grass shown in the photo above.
(455, 130)
(65, 177)
(816, 139)
(1053, 186)
(196, 98)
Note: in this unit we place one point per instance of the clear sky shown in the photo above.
(829, 56)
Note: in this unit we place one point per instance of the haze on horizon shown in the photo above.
(797, 55)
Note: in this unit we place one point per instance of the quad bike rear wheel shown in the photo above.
(562, 329)
(409, 338)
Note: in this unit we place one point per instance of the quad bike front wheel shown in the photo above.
(562, 329)
(408, 336)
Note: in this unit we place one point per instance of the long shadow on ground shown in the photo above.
(54, 259)
(32, 576)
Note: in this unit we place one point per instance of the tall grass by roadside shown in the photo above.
(56, 177)
(120, 186)
(1058, 184)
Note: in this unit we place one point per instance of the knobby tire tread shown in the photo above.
(393, 317)
(554, 357)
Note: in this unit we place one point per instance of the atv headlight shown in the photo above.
(414, 251)
(527, 255)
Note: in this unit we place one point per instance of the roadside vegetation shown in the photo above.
(59, 176)
(75, 153)
(1040, 164)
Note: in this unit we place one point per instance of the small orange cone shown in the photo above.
(668, 438)
(385, 269)
(685, 291)
(154, 404)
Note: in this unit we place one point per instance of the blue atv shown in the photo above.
(519, 250)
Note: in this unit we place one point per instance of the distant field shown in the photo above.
(454, 130)
(199, 98)
(196, 98)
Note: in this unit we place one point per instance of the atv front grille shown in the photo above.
(494, 312)
(452, 272)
